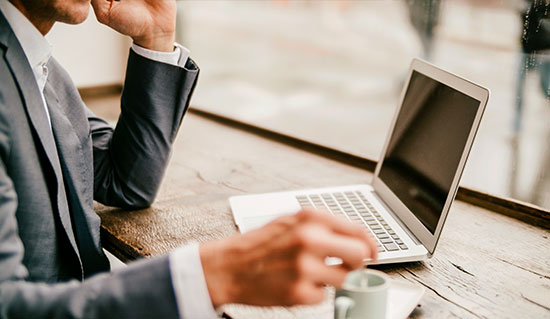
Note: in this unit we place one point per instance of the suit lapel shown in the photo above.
(36, 113)
(77, 167)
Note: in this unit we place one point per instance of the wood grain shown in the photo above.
(487, 265)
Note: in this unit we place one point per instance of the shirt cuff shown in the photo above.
(178, 57)
(190, 288)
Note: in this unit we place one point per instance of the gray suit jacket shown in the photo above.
(49, 233)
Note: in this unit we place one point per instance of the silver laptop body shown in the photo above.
(416, 179)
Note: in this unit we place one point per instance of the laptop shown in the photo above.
(416, 179)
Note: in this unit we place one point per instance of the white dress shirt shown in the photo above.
(192, 297)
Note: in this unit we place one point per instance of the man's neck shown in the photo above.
(43, 24)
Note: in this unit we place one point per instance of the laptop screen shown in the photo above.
(426, 146)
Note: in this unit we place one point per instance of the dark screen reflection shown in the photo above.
(426, 145)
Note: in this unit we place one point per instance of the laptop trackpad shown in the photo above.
(254, 211)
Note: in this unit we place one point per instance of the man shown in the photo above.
(56, 157)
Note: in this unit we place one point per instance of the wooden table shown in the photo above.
(487, 265)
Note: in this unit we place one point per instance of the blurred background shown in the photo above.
(331, 71)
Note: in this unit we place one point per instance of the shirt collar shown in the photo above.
(37, 49)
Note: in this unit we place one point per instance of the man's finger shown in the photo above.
(307, 293)
(100, 4)
(321, 274)
(322, 242)
(101, 8)
(344, 227)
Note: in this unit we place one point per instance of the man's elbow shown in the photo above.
(139, 198)
(134, 203)
(127, 199)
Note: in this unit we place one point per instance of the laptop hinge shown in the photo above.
(389, 210)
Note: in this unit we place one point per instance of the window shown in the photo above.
(332, 71)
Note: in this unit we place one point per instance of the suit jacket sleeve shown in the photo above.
(141, 290)
(129, 161)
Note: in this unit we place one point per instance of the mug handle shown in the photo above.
(342, 305)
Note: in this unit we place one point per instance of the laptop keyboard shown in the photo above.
(356, 208)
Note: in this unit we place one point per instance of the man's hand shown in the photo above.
(283, 263)
(150, 23)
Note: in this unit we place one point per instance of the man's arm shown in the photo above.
(129, 162)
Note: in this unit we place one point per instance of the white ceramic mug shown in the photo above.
(362, 300)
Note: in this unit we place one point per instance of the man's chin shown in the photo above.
(76, 15)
